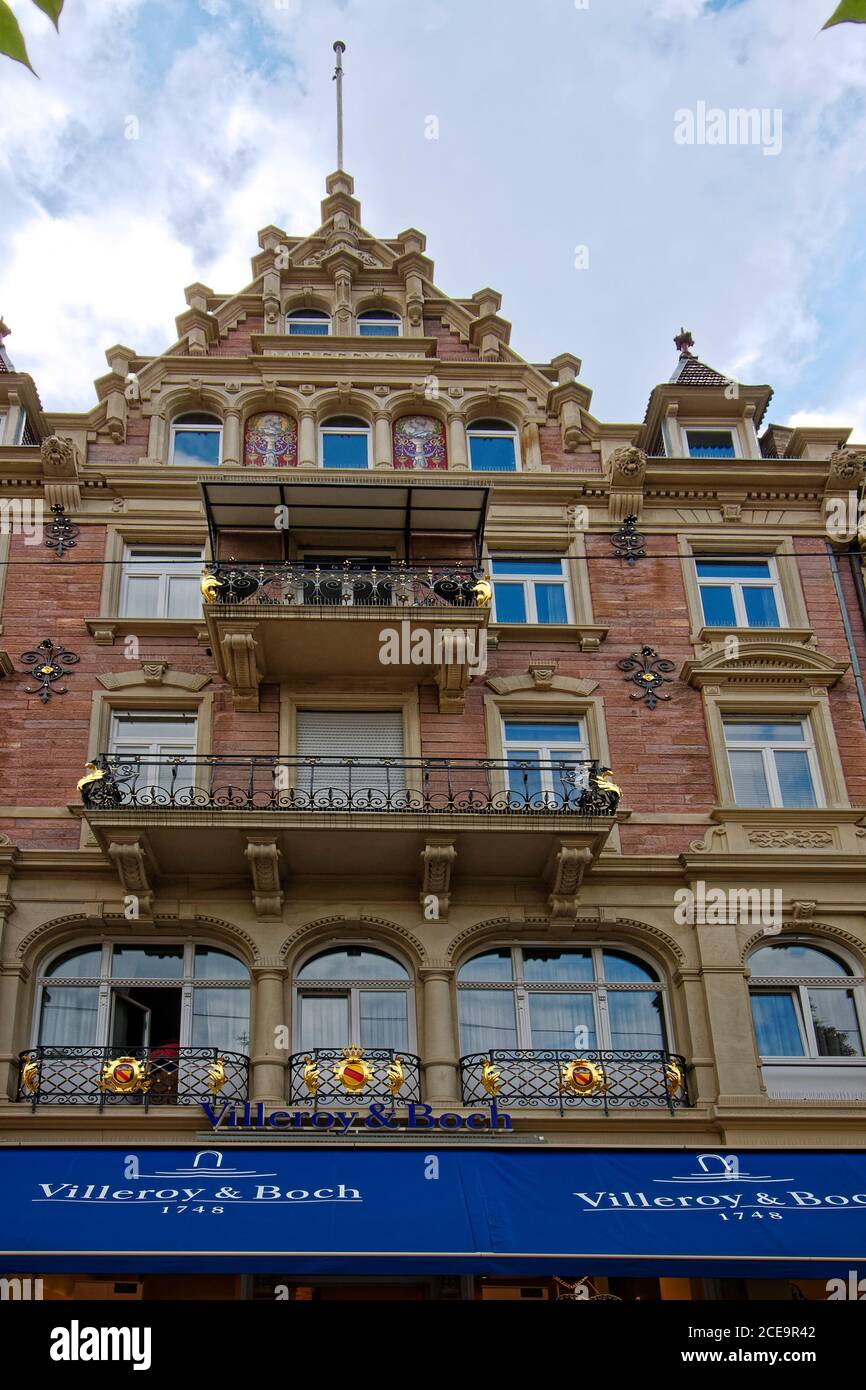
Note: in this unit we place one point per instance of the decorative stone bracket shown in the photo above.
(437, 863)
(238, 651)
(263, 857)
(563, 874)
(627, 475)
(60, 473)
(136, 869)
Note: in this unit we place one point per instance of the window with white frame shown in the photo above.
(196, 440)
(530, 590)
(156, 995)
(160, 583)
(309, 323)
(492, 446)
(353, 995)
(806, 1002)
(707, 443)
(538, 997)
(773, 763)
(740, 592)
(345, 442)
(547, 762)
(379, 323)
(157, 746)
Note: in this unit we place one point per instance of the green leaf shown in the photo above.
(52, 8)
(849, 12)
(11, 39)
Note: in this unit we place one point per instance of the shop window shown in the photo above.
(345, 442)
(530, 591)
(535, 998)
(196, 440)
(308, 323)
(806, 1002)
(271, 441)
(773, 763)
(354, 994)
(492, 446)
(419, 442)
(379, 323)
(740, 593)
(160, 583)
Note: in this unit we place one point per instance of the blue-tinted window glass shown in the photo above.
(344, 450)
(353, 963)
(493, 454)
(776, 1027)
(527, 567)
(750, 782)
(793, 959)
(311, 330)
(761, 609)
(492, 965)
(636, 1019)
(516, 732)
(541, 966)
(78, 964)
(555, 1019)
(733, 569)
(625, 970)
(147, 962)
(834, 1015)
(710, 444)
(718, 606)
(212, 964)
(487, 1019)
(764, 733)
(550, 603)
(510, 603)
(378, 330)
(200, 448)
(795, 779)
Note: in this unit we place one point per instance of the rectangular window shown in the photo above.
(492, 453)
(546, 762)
(372, 739)
(199, 446)
(345, 448)
(530, 591)
(160, 583)
(150, 743)
(773, 764)
(740, 593)
(710, 444)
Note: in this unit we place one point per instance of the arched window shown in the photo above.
(271, 441)
(539, 997)
(419, 442)
(196, 439)
(310, 322)
(806, 1002)
(492, 446)
(353, 995)
(345, 441)
(148, 995)
(379, 323)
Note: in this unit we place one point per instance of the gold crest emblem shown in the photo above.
(395, 1076)
(312, 1079)
(490, 1078)
(673, 1079)
(353, 1072)
(30, 1077)
(216, 1076)
(482, 592)
(583, 1078)
(125, 1076)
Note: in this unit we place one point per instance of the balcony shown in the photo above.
(144, 1076)
(331, 1077)
(273, 817)
(273, 622)
(564, 1081)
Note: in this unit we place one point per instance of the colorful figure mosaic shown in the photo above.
(271, 441)
(419, 442)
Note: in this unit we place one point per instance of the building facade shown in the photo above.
(388, 738)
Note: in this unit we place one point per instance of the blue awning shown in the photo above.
(490, 1211)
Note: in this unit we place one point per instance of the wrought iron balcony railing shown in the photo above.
(119, 1075)
(333, 1076)
(261, 782)
(448, 584)
(554, 1080)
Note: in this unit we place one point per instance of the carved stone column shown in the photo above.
(231, 452)
(439, 1062)
(382, 451)
(270, 1015)
(12, 979)
(307, 452)
(458, 447)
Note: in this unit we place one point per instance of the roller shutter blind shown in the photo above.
(369, 735)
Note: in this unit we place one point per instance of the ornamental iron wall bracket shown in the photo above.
(628, 543)
(646, 667)
(62, 533)
(49, 666)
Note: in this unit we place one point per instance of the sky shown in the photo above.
(567, 171)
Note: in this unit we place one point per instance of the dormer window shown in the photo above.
(492, 446)
(710, 443)
(196, 439)
(379, 323)
(309, 323)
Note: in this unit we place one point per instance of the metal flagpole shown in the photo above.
(339, 49)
